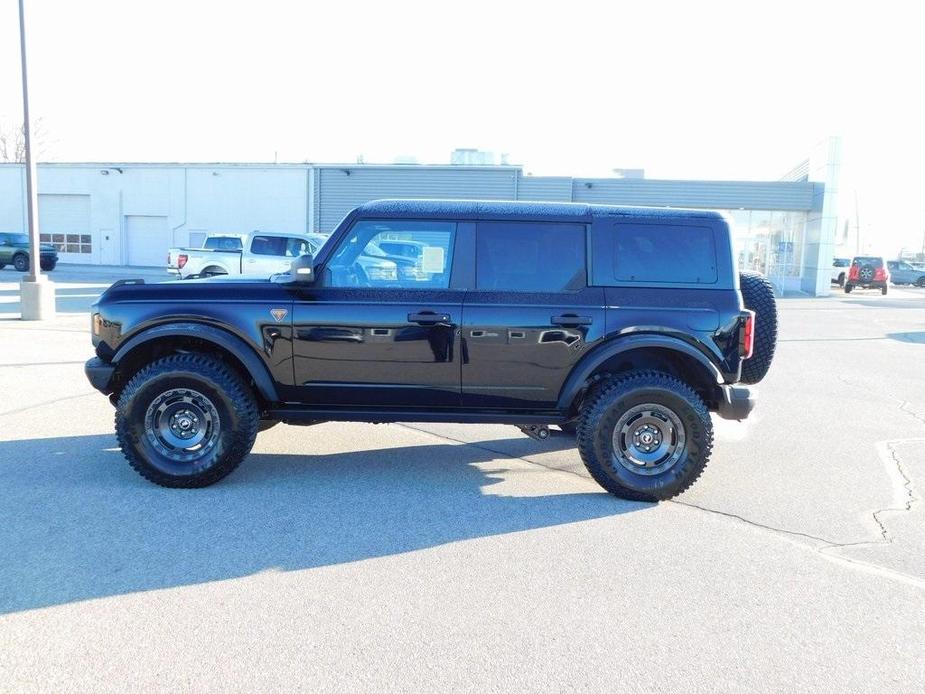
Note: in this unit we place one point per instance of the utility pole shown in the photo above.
(36, 294)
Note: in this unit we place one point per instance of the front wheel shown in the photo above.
(21, 262)
(645, 436)
(848, 288)
(919, 283)
(186, 420)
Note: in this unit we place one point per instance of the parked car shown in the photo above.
(635, 329)
(867, 272)
(260, 253)
(902, 272)
(839, 270)
(14, 250)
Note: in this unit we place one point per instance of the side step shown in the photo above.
(334, 414)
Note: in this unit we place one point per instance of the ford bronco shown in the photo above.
(625, 326)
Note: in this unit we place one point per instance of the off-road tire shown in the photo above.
(758, 295)
(21, 262)
(225, 389)
(606, 404)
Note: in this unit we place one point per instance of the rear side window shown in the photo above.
(662, 253)
(530, 257)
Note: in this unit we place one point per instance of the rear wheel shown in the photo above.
(848, 288)
(48, 265)
(21, 262)
(186, 420)
(758, 295)
(919, 283)
(883, 290)
(841, 279)
(645, 436)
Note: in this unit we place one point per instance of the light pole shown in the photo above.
(36, 294)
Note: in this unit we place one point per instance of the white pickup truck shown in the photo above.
(260, 253)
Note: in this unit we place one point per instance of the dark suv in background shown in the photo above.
(14, 250)
(625, 326)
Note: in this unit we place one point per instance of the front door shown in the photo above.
(531, 317)
(381, 330)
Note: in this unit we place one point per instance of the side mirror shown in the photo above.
(302, 269)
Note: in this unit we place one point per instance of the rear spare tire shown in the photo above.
(758, 295)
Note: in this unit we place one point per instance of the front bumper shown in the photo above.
(737, 402)
(99, 373)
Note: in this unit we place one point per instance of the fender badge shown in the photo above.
(278, 314)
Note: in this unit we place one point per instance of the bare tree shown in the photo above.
(13, 142)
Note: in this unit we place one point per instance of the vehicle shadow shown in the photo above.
(78, 523)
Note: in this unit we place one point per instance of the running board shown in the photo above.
(334, 414)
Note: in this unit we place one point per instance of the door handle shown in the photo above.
(429, 318)
(570, 320)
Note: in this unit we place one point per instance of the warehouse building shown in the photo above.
(131, 213)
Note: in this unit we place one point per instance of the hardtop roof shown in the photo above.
(504, 209)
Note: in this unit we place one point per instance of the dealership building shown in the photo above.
(131, 213)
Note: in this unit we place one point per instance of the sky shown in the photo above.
(705, 90)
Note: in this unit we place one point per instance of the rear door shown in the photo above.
(531, 315)
(373, 333)
(272, 254)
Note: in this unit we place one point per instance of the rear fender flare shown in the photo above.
(583, 370)
(232, 343)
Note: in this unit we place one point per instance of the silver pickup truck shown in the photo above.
(260, 253)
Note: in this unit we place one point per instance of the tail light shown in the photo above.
(181, 260)
(853, 273)
(747, 335)
(880, 274)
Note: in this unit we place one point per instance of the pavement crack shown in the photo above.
(909, 493)
(46, 402)
(756, 524)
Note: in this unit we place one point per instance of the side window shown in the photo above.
(366, 258)
(663, 253)
(269, 245)
(296, 247)
(530, 256)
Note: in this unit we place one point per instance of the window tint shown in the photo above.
(289, 247)
(363, 258)
(868, 260)
(663, 253)
(841, 262)
(225, 243)
(530, 257)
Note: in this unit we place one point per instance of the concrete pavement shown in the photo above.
(465, 557)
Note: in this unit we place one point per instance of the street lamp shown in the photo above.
(36, 294)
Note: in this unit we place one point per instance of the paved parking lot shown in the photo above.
(469, 557)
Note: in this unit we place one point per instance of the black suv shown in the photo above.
(625, 326)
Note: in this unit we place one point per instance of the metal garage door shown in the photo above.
(146, 240)
(64, 220)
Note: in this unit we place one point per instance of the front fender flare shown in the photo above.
(583, 370)
(232, 343)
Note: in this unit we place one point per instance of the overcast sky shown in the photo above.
(733, 90)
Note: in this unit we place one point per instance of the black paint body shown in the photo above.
(456, 354)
